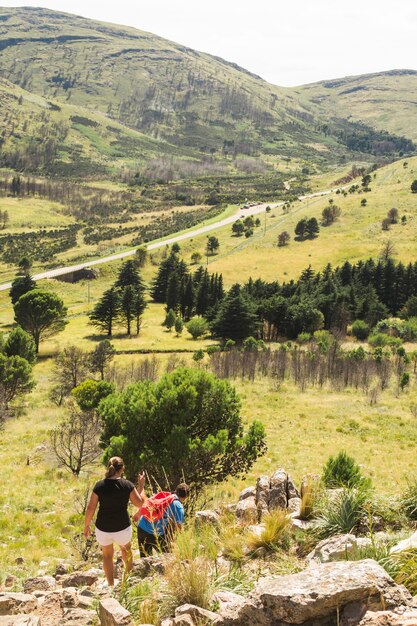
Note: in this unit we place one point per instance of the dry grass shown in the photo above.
(275, 534)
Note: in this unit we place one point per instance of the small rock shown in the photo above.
(80, 579)
(44, 583)
(112, 613)
(195, 612)
(407, 544)
(79, 617)
(338, 548)
(9, 580)
(62, 569)
(246, 510)
(207, 517)
(302, 523)
(19, 560)
(249, 492)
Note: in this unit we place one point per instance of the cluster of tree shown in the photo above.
(123, 303)
(322, 362)
(331, 299)
(391, 218)
(245, 226)
(414, 186)
(41, 245)
(330, 213)
(362, 138)
(185, 293)
(306, 229)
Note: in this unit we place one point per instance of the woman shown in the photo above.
(113, 523)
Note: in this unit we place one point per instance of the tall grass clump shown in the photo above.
(403, 566)
(408, 500)
(146, 600)
(311, 493)
(190, 574)
(341, 512)
(343, 471)
(275, 534)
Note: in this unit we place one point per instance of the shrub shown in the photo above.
(360, 330)
(342, 512)
(312, 493)
(304, 337)
(197, 326)
(342, 471)
(403, 566)
(380, 340)
(408, 500)
(187, 424)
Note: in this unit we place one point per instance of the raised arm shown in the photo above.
(138, 496)
(91, 509)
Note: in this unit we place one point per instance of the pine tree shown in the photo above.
(127, 306)
(107, 310)
(236, 318)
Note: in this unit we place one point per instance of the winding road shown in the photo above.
(254, 210)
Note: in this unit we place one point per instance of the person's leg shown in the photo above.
(146, 543)
(108, 566)
(127, 557)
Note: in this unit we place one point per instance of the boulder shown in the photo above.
(318, 596)
(39, 583)
(13, 603)
(20, 620)
(79, 579)
(112, 613)
(338, 548)
(207, 517)
(246, 510)
(149, 565)
(278, 491)
(228, 601)
(407, 544)
(390, 618)
(249, 492)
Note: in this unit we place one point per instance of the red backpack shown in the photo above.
(155, 506)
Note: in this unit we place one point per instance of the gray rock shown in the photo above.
(79, 579)
(390, 618)
(112, 613)
(294, 507)
(407, 544)
(40, 583)
(338, 548)
(262, 495)
(207, 517)
(278, 492)
(227, 601)
(150, 565)
(246, 511)
(292, 491)
(20, 620)
(302, 524)
(249, 492)
(319, 595)
(13, 603)
(183, 620)
(62, 569)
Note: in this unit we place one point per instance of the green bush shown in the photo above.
(342, 513)
(360, 330)
(186, 425)
(380, 340)
(197, 326)
(342, 471)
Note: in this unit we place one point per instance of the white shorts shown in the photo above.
(122, 537)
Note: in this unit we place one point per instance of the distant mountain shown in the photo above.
(126, 94)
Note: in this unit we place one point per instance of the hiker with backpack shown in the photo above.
(159, 518)
(112, 495)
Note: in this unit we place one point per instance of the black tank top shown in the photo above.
(113, 496)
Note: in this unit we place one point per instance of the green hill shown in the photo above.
(200, 103)
(386, 100)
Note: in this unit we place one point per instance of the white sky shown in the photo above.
(288, 42)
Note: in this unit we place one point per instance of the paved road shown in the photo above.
(259, 208)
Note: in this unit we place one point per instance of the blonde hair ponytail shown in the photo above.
(114, 466)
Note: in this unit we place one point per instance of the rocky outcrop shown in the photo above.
(332, 593)
(270, 493)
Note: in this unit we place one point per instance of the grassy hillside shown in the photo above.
(386, 100)
(199, 102)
